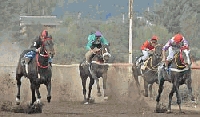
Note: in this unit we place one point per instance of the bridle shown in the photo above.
(44, 55)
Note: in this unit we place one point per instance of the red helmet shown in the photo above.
(44, 33)
(178, 38)
(154, 38)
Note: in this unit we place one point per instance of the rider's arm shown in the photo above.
(145, 45)
(185, 43)
(104, 41)
(35, 44)
(90, 40)
(165, 48)
(167, 45)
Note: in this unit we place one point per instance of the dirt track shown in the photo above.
(67, 96)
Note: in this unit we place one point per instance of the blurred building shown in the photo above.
(44, 21)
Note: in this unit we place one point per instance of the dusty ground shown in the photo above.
(123, 102)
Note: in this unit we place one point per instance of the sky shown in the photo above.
(101, 9)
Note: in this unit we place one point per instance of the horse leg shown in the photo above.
(104, 86)
(90, 89)
(170, 98)
(146, 88)
(135, 75)
(48, 86)
(37, 87)
(33, 93)
(178, 96)
(160, 89)
(98, 87)
(189, 85)
(160, 84)
(150, 90)
(18, 78)
(84, 79)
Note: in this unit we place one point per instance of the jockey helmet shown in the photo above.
(178, 38)
(154, 39)
(98, 34)
(44, 33)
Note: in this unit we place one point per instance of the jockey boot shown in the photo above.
(167, 65)
(88, 57)
(139, 61)
(26, 65)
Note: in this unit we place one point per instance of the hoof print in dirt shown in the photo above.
(35, 108)
(160, 108)
(6, 106)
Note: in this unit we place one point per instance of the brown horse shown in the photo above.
(98, 68)
(179, 73)
(39, 71)
(148, 70)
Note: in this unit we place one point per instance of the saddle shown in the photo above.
(144, 65)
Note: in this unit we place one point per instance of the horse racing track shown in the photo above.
(67, 97)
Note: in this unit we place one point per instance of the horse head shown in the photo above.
(158, 51)
(182, 58)
(46, 52)
(157, 55)
(103, 55)
(105, 51)
(48, 47)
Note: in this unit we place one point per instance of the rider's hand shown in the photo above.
(163, 59)
(38, 50)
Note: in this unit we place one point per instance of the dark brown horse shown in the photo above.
(98, 68)
(39, 71)
(179, 73)
(148, 70)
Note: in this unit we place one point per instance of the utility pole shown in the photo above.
(130, 15)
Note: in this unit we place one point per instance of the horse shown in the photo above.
(39, 71)
(178, 73)
(148, 71)
(96, 69)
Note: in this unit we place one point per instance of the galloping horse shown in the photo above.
(148, 71)
(98, 68)
(39, 71)
(179, 73)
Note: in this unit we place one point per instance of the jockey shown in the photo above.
(175, 43)
(94, 44)
(147, 47)
(35, 48)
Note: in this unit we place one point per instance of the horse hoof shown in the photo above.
(145, 95)
(169, 111)
(17, 101)
(91, 100)
(38, 101)
(86, 103)
(49, 99)
(99, 94)
(105, 98)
